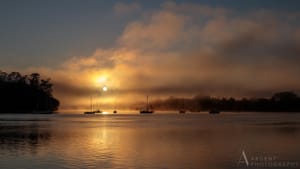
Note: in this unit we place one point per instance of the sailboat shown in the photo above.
(91, 108)
(115, 107)
(182, 111)
(147, 110)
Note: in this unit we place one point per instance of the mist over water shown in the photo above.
(146, 141)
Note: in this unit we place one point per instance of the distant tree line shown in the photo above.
(279, 102)
(25, 93)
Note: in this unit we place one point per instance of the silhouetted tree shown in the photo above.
(34, 79)
(279, 102)
(46, 86)
(286, 101)
(24, 94)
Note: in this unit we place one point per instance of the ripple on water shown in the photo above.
(135, 141)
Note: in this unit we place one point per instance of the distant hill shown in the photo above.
(285, 101)
(26, 94)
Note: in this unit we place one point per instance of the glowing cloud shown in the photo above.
(188, 49)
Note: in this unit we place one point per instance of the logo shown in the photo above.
(243, 159)
(263, 160)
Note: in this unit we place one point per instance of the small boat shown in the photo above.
(147, 110)
(214, 111)
(91, 107)
(115, 111)
(93, 112)
(89, 112)
(98, 111)
(181, 111)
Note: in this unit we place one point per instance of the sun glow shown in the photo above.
(104, 88)
(101, 79)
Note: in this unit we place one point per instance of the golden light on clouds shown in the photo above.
(101, 79)
(185, 50)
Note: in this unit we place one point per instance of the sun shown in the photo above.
(104, 88)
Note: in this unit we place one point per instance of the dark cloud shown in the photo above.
(253, 46)
(69, 90)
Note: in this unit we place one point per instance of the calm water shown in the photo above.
(175, 141)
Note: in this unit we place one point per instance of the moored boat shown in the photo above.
(147, 110)
(182, 111)
(91, 108)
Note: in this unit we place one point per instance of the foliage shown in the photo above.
(25, 93)
(280, 102)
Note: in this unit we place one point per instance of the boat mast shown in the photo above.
(91, 103)
(147, 108)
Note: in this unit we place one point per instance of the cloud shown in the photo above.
(161, 31)
(189, 49)
(121, 8)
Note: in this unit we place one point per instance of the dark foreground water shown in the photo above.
(175, 141)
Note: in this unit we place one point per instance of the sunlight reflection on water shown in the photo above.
(137, 141)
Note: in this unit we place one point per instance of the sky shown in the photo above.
(157, 48)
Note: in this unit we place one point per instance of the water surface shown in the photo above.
(177, 141)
